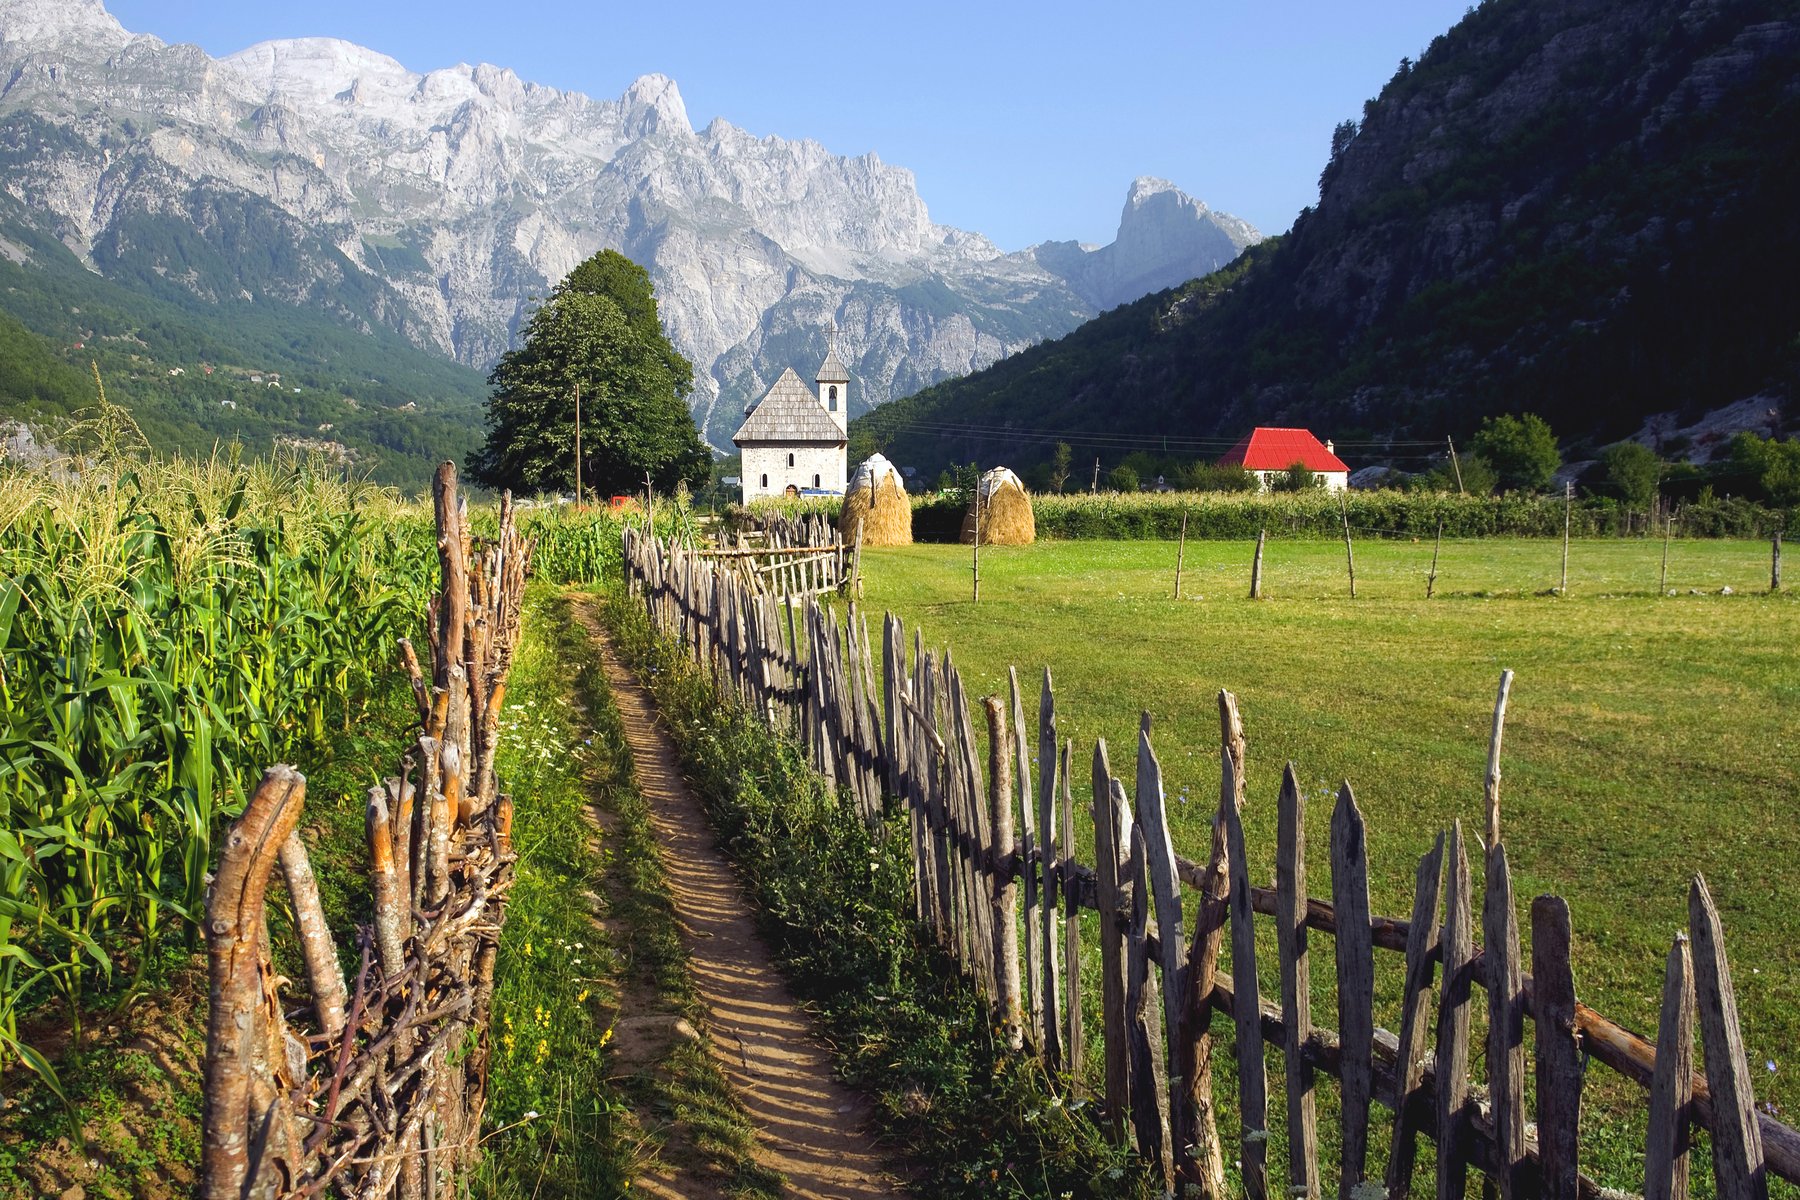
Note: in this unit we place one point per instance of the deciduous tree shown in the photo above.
(598, 331)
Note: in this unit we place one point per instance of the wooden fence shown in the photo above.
(384, 1093)
(997, 884)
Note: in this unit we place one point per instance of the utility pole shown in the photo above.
(1096, 484)
(578, 442)
(1454, 465)
(977, 547)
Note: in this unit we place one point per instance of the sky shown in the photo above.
(1023, 121)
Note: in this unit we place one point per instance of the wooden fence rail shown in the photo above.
(385, 1096)
(909, 745)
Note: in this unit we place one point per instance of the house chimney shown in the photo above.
(1329, 448)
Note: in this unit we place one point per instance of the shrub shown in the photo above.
(1522, 450)
(1123, 478)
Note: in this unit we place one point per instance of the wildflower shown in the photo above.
(583, 996)
(527, 947)
(543, 1049)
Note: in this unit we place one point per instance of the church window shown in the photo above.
(815, 481)
(790, 460)
(834, 397)
(765, 481)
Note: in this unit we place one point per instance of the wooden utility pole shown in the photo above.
(578, 442)
(1349, 552)
(1096, 484)
(977, 547)
(1775, 563)
(1454, 465)
(1662, 585)
(1431, 579)
(1180, 553)
(1262, 535)
(1568, 510)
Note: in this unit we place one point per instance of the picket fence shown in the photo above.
(385, 1094)
(995, 866)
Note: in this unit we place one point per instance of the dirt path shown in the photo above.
(810, 1127)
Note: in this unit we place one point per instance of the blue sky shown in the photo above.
(1022, 121)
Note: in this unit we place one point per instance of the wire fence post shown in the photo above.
(1349, 552)
(1180, 553)
(1662, 585)
(1262, 536)
(1775, 563)
(1568, 512)
(1431, 579)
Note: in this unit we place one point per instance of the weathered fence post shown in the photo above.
(1662, 584)
(1559, 1053)
(1112, 945)
(1005, 888)
(1775, 562)
(1262, 536)
(1453, 1026)
(1296, 985)
(1253, 1086)
(1356, 984)
(1492, 783)
(1738, 1168)
(1431, 579)
(1568, 514)
(1506, 1026)
(1422, 941)
(1672, 1087)
(1180, 553)
(1349, 551)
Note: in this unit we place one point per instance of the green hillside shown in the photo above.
(1579, 209)
(344, 385)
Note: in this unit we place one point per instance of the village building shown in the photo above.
(1270, 453)
(794, 439)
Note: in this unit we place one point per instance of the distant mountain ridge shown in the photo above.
(319, 173)
(1582, 208)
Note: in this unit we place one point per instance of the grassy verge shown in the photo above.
(835, 899)
(568, 1118)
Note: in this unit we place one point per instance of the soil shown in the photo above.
(811, 1127)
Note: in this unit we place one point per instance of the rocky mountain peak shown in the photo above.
(440, 203)
(653, 104)
(44, 24)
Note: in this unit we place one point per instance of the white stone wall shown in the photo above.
(1334, 481)
(841, 411)
(767, 473)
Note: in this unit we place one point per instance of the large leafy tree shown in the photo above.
(1522, 450)
(598, 331)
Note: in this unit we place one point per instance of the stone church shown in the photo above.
(794, 439)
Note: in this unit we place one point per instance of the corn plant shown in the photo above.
(167, 629)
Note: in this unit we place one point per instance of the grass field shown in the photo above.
(1648, 737)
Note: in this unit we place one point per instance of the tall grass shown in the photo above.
(168, 629)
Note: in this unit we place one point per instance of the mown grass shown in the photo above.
(562, 1119)
(834, 898)
(1649, 736)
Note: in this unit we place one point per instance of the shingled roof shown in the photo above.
(789, 414)
(832, 369)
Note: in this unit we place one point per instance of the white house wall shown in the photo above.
(767, 473)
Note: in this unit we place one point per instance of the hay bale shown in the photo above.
(877, 499)
(1006, 517)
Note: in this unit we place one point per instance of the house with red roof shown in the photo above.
(1269, 453)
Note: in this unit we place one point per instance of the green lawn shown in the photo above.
(1648, 736)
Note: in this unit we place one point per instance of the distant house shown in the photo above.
(1268, 453)
(793, 439)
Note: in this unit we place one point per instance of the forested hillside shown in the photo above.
(1581, 209)
(196, 375)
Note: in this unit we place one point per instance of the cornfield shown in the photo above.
(166, 629)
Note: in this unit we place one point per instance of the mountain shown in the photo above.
(323, 176)
(1581, 208)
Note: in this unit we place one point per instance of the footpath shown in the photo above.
(811, 1127)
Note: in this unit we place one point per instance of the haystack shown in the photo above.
(876, 497)
(1006, 518)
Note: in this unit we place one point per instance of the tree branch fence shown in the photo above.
(997, 884)
(376, 1088)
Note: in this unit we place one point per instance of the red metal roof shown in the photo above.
(1278, 449)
